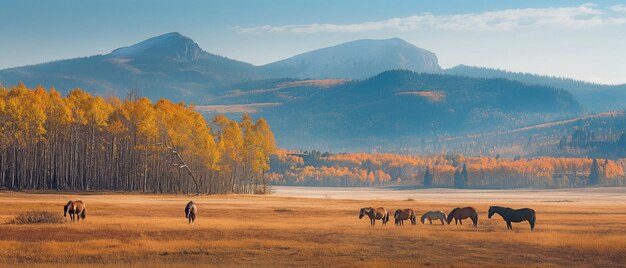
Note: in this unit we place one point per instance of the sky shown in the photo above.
(577, 39)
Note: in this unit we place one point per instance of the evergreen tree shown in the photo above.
(594, 175)
(458, 179)
(464, 175)
(428, 178)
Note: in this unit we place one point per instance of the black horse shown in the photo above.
(514, 215)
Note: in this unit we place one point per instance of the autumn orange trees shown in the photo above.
(85, 142)
(362, 169)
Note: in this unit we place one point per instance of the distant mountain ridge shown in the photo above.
(595, 97)
(174, 66)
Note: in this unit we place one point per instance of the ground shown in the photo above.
(297, 226)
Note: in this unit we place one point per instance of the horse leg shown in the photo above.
(508, 225)
(431, 221)
(461, 221)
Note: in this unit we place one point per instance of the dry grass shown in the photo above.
(151, 230)
(36, 217)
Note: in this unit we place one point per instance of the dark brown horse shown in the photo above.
(75, 209)
(510, 215)
(458, 214)
(190, 211)
(375, 214)
(404, 214)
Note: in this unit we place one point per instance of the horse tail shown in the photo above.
(387, 217)
(532, 219)
(413, 220)
(83, 214)
(475, 218)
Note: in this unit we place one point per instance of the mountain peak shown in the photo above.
(172, 46)
(357, 60)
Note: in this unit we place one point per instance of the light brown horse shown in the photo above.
(375, 214)
(404, 214)
(75, 209)
(463, 213)
(434, 215)
(190, 211)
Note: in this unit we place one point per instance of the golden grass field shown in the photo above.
(275, 230)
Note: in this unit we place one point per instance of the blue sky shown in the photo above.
(579, 39)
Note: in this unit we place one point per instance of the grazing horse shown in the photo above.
(514, 215)
(404, 214)
(463, 213)
(75, 209)
(375, 214)
(434, 215)
(190, 212)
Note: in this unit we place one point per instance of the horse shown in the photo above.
(75, 209)
(514, 215)
(190, 211)
(375, 214)
(434, 215)
(463, 213)
(404, 214)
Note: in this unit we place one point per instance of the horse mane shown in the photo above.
(65, 208)
(449, 218)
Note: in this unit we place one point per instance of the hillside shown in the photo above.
(594, 97)
(393, 105)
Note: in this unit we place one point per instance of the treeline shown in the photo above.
(81, 142)
(443, 170)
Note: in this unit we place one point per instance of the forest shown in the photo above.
(442, 170)
(81, 142)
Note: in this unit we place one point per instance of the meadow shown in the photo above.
(298, 226)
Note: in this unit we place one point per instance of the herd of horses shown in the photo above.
(77, 210)
(509, 215)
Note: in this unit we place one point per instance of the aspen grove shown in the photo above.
(82, 142)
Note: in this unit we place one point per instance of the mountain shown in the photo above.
(167, 66)
(394, 107)
(171, 46)
(356, 60)
(594, 97)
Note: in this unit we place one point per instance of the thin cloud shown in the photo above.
(619, 8)
(583, 16)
